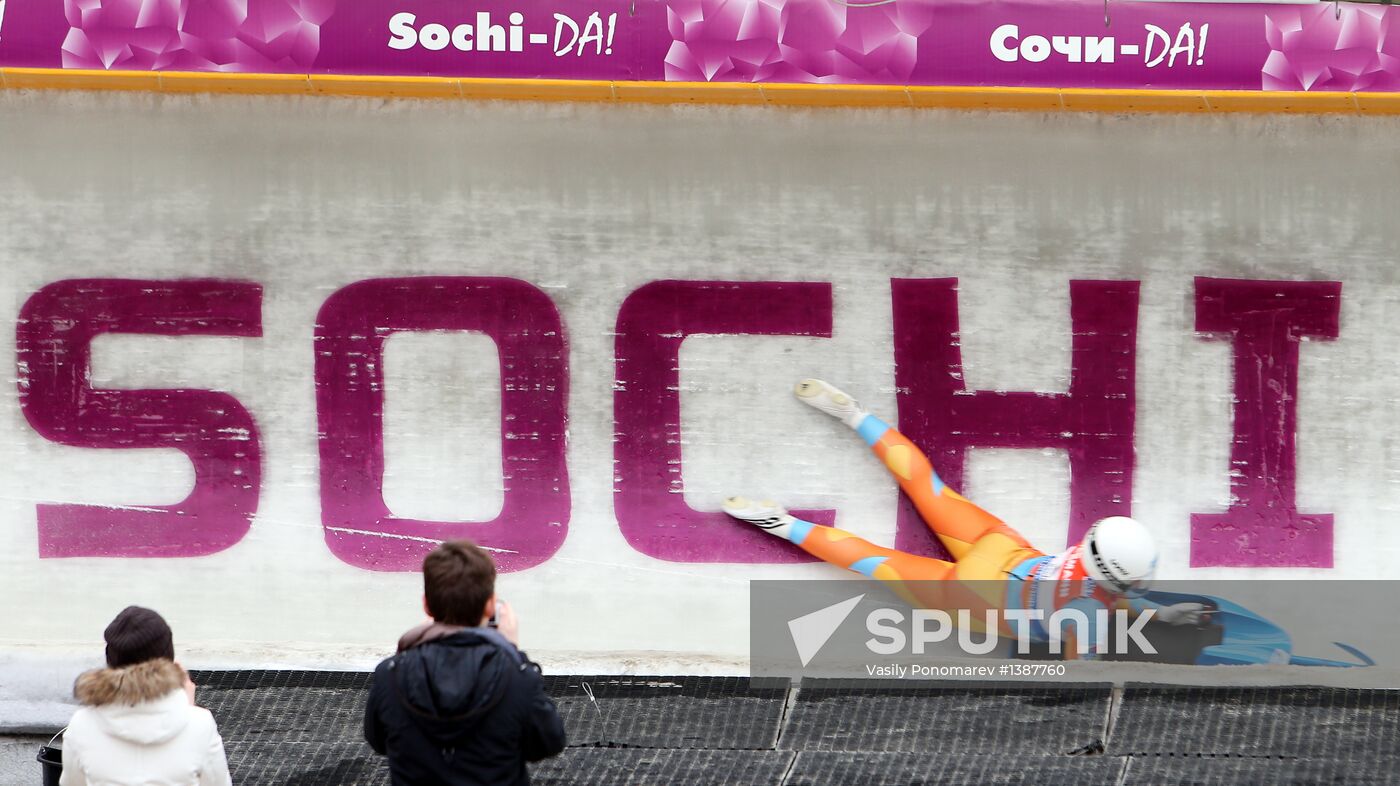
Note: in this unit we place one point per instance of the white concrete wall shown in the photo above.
(588, 203)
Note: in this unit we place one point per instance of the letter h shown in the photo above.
(1093, 421)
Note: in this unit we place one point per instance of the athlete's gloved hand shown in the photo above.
(1182, 613)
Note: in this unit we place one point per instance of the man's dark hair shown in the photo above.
(458, 578)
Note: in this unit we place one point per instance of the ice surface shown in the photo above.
(588, 203)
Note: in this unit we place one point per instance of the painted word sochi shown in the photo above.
(1160, 47)
(890, 639)
(594, 35)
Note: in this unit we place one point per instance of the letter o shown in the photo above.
(1034, 47)
(436, 37)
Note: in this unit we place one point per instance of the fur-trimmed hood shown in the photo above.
(130, 685)
(144, 703)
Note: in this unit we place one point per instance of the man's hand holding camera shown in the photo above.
(504, 620)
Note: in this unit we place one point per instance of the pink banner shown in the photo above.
(1064, 43)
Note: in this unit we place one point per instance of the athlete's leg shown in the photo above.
(838, 546)
(919, 580)
(956, 521)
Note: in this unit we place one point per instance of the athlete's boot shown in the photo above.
(766, 515)
(827, 398)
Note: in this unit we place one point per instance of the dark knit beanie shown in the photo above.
(136, 636)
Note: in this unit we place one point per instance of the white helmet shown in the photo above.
(1120, 554)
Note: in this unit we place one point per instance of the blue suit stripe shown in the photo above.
(868, 565)
(799, 530)
(871, 429)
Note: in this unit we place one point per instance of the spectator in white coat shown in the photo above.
(139, 725)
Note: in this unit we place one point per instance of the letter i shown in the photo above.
(516, 37)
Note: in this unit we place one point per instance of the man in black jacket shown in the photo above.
(460, 704)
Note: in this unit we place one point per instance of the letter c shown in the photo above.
(462, 37)
(1004, 53)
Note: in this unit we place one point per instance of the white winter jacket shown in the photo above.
(137, 728)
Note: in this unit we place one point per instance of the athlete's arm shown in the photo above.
(1174, 614)
(1136, 606)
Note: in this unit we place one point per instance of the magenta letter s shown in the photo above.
(54, 345)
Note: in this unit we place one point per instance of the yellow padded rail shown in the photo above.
(1008, 98)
